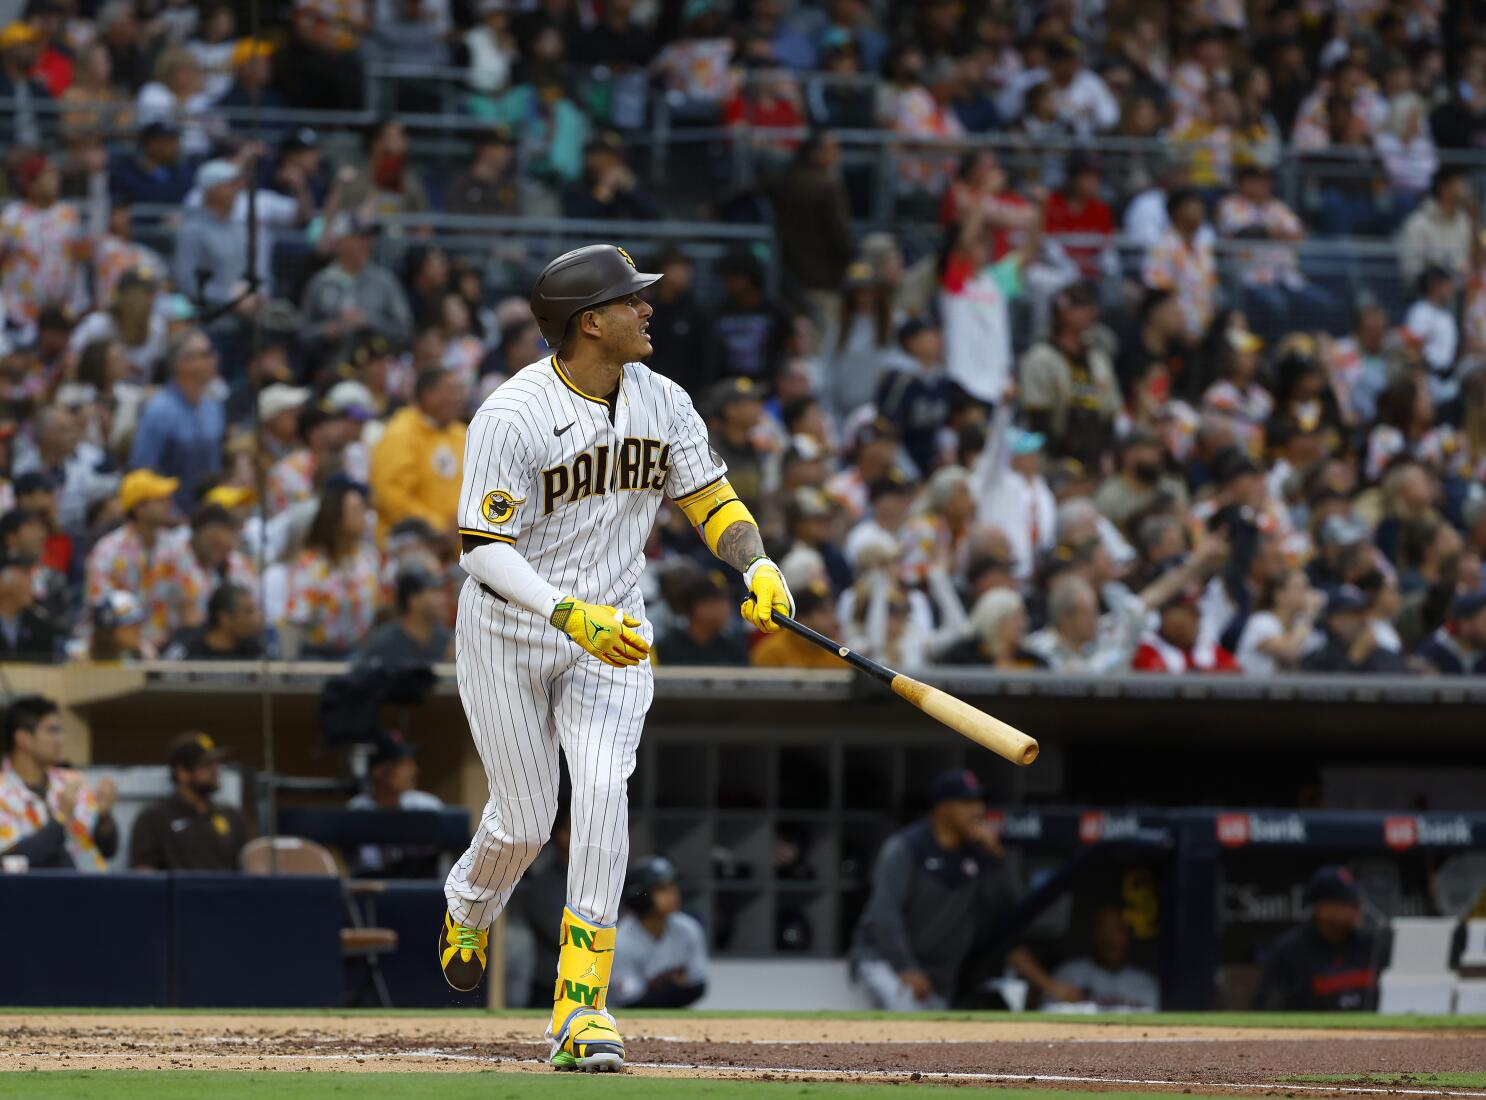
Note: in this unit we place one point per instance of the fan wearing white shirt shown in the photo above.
(1014, 496)
(1146, 220)
(1283, 629)
(890, 497)
(1084, 101)
(1431, 321)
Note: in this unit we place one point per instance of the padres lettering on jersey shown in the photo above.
(643, 464)
(574, 484)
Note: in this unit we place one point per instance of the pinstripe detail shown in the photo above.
(527, 690)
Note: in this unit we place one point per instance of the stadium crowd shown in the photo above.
(1008, 451)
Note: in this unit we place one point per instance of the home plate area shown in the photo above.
(1069, 1056)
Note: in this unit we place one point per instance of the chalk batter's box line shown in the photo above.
(862, 1074)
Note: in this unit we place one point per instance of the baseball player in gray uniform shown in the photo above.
(564, 469)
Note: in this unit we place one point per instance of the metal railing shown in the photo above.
(511, 251)
(885, 168)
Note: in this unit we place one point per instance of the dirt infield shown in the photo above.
(1208, 1060)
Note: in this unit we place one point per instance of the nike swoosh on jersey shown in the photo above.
(559, 431)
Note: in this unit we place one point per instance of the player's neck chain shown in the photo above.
(611, 399)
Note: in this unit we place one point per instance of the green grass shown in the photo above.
(1337, 1020)
(190, 1085)
(1469, 1080)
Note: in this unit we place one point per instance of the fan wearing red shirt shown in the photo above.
(1175, 647)
(982, 182)
(1077, 208)
(54, 67)
(769, 104)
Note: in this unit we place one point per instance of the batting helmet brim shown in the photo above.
(582, 279)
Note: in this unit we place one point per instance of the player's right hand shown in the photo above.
(604, 631)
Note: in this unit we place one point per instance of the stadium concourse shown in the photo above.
(1295, 1056)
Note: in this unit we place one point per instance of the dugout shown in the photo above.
(772, 790)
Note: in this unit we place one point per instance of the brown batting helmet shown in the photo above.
(580, 279)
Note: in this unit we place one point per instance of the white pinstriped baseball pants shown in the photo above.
(527, 690)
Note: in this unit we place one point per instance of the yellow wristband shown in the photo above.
(713, 510)
(733, 511)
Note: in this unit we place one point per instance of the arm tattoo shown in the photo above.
(740, 544)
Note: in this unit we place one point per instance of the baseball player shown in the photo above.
(564, 469)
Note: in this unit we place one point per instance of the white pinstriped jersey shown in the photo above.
(547, 470)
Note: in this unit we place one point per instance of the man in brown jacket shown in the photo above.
(811, 219)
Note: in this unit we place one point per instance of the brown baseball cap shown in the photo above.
(192, 749)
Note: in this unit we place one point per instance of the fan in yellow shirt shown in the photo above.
(417, 464)
(815, 607)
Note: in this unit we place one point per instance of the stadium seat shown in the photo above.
(1473, 954)
(1470, 996)
(289, 855)
(1418, 979)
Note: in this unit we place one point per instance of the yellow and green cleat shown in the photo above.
(589, 1041)
(584, 1035)
(462, 952)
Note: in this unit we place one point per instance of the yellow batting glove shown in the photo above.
(767, 593)
(604, 631)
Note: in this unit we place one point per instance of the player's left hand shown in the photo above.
(767, 593)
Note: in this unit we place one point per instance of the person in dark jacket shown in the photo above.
(1459, 647)
(26, 632)
(252, 86)
(233, 630)
(492, 182)
(812, 220)
(915, 394)
(609, 187)
(702, 637)
(156, 173)
(935, 886)
(28, 118)
(810, 516)
(835, 104)
(1351, 643)
(188, 831)
(750, 330)
(617, 42)
(300, 170)
(679, 326)
(1330, 963)
(420, 634)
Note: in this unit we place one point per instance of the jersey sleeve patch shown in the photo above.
(499, 507)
